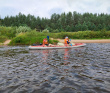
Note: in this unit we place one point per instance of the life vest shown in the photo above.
(65, 41)
(45, 41)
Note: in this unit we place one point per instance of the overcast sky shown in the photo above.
(44, 8)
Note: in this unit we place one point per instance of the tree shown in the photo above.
(0, 20)
(84, 27)
(69, 18)
(38, 23)
(93, 27)
(99, 27)
(68, 28)
(63, 22)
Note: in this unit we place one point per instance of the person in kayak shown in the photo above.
(66, 40)
(45, 42)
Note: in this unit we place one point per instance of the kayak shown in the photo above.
(57, 46)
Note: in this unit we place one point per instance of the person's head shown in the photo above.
(66, 37)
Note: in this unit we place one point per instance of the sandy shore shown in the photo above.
(72, 40)
(86, 41)
(5, 43)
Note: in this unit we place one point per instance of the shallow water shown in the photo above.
(77, 70)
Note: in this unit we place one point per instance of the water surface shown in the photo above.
(77, 70)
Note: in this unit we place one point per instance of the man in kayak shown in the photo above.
(45, 42)
(66, 40)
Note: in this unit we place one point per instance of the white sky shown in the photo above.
(44, 8)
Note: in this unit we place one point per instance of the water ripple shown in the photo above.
(78, 70)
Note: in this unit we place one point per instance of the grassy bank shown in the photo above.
(83, 35)
(7, 33)
(30, 38)
(26, 36)
(34, 37)
(3, 39)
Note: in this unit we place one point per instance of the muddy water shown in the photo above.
(77, 70)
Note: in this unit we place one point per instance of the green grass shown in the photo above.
(30, 38)
(82, 35)
(7, 31)
(3, 39)
(34, 37)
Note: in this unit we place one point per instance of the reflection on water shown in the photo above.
(77, 70)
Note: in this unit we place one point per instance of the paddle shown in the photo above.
(70, 42)
(48, 39)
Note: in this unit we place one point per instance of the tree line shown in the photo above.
(67, 22)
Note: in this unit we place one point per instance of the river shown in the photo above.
(77, 70)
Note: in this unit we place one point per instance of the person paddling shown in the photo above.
(45, 42)
(66, 41)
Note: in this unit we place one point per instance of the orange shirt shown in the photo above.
(65, 41)
(45, 41)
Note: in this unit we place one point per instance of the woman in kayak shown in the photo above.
(66, 40)
(45, 42)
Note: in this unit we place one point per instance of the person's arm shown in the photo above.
(43, 43)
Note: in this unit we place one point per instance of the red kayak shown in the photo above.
(57, 46)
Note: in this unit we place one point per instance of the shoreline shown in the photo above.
(72, 41)
(86, 41)
(5, 43)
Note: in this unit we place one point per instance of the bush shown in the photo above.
(28, 38)
(8, 31)
(3, 38)
(22, 29)
(45, 31)
(55, 31)
(55, 42)
(82, 35)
